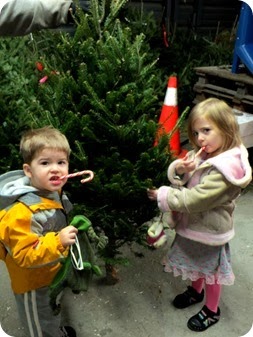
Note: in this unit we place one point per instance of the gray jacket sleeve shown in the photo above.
(20, 17)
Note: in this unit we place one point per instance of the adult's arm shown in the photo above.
(20, 17)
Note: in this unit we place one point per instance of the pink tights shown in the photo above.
(213, 293)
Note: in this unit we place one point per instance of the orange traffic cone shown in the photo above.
(169, 117)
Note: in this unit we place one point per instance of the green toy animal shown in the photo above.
(80, 265)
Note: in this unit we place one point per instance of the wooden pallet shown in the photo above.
(220, 82)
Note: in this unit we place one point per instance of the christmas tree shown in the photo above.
(102, 88)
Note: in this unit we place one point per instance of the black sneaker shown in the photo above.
(67, 331)
(189, 297)
(203, 319)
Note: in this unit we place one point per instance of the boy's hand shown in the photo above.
(68, 236)
(152, 194)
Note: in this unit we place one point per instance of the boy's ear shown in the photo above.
(27, 170)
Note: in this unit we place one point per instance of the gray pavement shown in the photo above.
(140, 304)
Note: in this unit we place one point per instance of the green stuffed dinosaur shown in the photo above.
(80, 265)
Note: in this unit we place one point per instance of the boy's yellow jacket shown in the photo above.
(29, 224)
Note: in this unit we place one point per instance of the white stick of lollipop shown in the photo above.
(199, 151)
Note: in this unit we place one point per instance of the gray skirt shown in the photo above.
(193, 260)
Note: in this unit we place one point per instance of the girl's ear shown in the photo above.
(27, 170)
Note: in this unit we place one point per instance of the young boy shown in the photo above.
(34, 228)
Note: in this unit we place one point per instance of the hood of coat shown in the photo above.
(13, 184)
(234, 165)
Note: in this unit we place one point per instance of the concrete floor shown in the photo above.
(140, 304)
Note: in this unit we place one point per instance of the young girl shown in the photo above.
(208, 180)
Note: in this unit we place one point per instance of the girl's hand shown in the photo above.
(185, 165)
(152, 194)
(68, 236)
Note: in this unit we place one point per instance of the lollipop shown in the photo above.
(81, 173)
(199, 151)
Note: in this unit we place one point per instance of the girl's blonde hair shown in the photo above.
(36, 140)
(219, 113)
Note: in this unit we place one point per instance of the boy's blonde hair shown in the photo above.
(218, 112)
(36, 140)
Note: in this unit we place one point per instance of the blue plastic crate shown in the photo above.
(243, 52)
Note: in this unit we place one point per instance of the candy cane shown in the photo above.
(199, 151)
(72, 175)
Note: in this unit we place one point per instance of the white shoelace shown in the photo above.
(63, 332)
